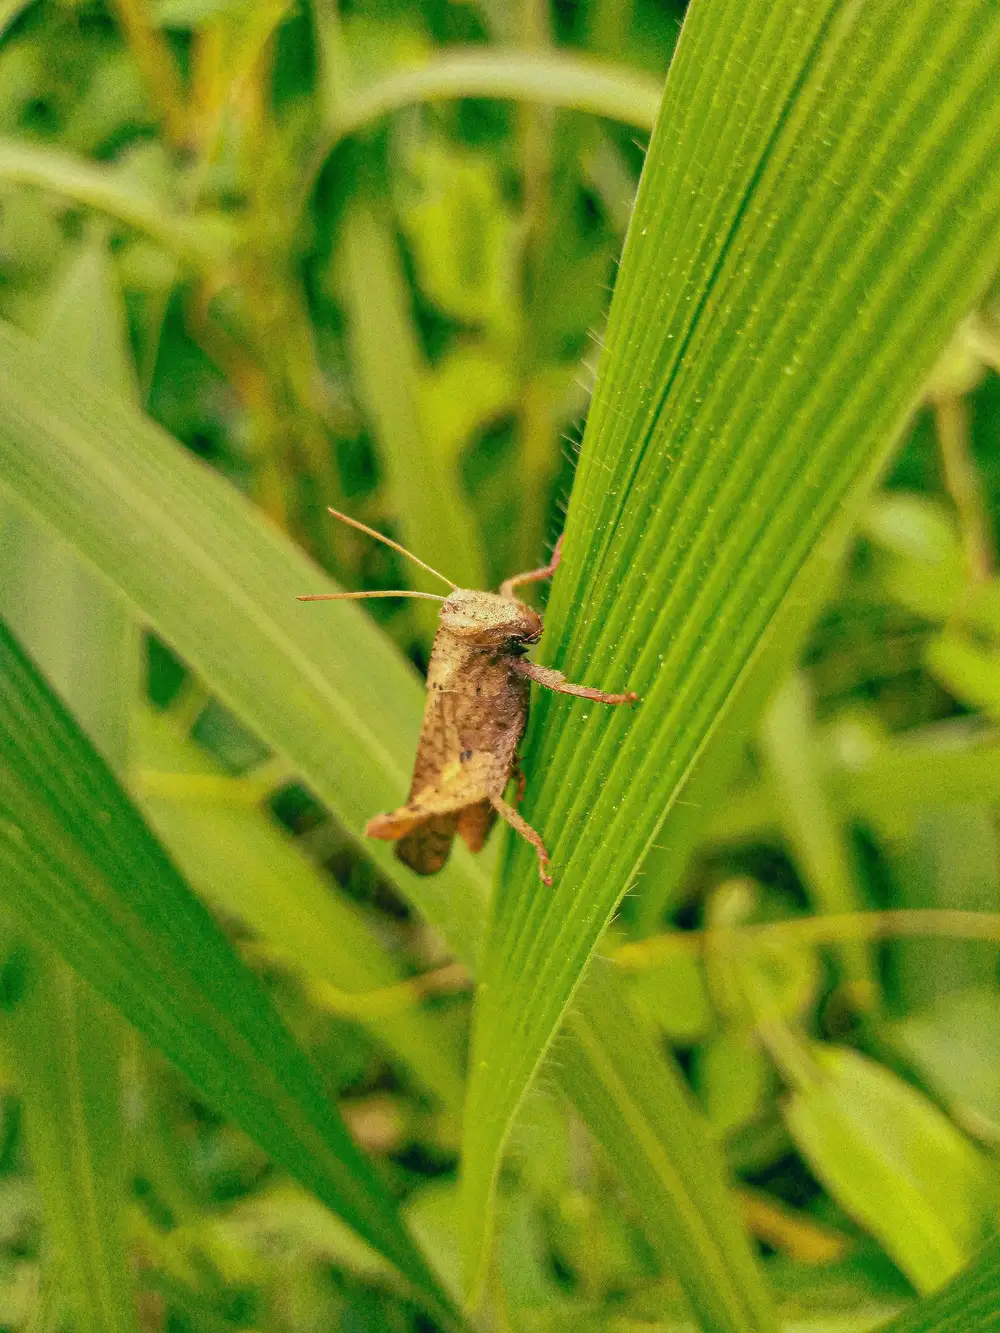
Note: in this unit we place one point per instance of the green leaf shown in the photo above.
(86, 323)
(9, 11)
(75, 626)
(786, 284)
(65, 1050)
(889, 786)
(970, 1301)
(894, 1162)
(469, 387)
(553, 78)
(951, 860)
(202, 241)
(733, 1076)
(83, 872)
(183, 14)
(955, 1044)
(316, 684)
(677, 1000)
(817, 839)
(329, 692)
(918, 557)
(437, 523)
(639, 1108)
(464, 236)
(965, 668)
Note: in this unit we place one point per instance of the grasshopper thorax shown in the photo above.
(485, 619)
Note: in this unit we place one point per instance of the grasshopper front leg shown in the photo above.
(555, 680)
(533, 575)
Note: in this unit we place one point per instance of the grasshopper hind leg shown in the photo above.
(474, 824)
(522, 827)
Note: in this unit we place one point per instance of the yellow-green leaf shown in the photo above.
(895, 1162)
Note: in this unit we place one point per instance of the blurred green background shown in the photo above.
(354, 259)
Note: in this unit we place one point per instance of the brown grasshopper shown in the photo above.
(476, 713)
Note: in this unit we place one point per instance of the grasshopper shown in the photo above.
(477, 710)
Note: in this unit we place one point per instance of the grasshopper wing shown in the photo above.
(424, 828)
(475, 715)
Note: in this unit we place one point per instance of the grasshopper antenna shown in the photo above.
(357, 596)
(379, 537)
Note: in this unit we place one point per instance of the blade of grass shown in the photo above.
(240, 860)
(767, 337)
(202, 241)
(332, 694)
(76, 627)
(711, 775)
(65, 1051)
(895, 1162)
(86, 322)
(817, 839)
(387, 361)
(970, 1301)
(437, 524)
(639, 1108)
(939, 766)
(84, 873)
(644, 1119)
(553, 78)
(318, 687)
(344, 1180)
(66, 1047)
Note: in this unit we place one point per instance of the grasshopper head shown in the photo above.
(487, 620)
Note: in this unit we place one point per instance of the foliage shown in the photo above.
(739, 1065)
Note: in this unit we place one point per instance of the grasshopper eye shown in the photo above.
(528, 634)
(530, 629)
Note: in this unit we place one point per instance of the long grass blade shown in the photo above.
(84, 874)
(787, 282)
(553, 78)
(65, 1046)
